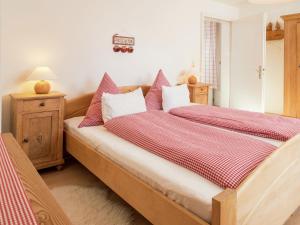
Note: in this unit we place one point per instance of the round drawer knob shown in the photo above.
(42, 104)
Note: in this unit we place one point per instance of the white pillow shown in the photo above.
(114, 105)
(173, 97)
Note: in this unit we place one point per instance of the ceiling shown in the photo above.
(232, 2)
(239, 2)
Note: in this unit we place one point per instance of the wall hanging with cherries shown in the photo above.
(123, 44)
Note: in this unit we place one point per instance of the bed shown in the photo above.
(275, 180)
(44, 207)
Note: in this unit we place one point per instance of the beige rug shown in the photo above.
(87, 201)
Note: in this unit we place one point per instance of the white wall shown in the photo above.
(73, 37)
(274, 77)
(247, 9)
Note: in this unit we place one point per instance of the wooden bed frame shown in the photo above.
(268, 196)
(43, 204)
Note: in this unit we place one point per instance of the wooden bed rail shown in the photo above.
(152, 204)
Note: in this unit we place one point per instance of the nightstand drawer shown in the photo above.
(201, 99)
(201, 90)
(41, 105)
(199, 93)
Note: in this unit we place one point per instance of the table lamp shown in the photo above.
(192, 75)
(42, 75)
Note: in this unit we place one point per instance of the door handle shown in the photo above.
(260, 71)
(25, 140)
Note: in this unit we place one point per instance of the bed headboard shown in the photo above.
(78, 106)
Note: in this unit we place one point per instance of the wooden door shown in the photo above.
(39, 136)
(297, 92)
(291, 65)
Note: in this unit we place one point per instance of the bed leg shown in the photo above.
(224, 208)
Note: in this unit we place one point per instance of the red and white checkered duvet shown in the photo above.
(14, 205)
(223, 157)
(258, 124)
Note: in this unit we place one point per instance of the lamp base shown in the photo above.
(42, 87)
(192, 79)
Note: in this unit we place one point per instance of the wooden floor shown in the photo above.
(76, 176)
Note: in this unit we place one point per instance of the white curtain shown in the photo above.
(209, 57)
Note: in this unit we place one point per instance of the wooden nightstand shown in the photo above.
(37, 124)
(199, 93)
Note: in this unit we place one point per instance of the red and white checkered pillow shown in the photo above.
(154, 96)
(93, 116)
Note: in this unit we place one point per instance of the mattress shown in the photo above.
(187, 188)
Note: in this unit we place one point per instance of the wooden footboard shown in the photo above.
(271, 193)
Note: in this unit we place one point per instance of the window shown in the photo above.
(209, 58)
